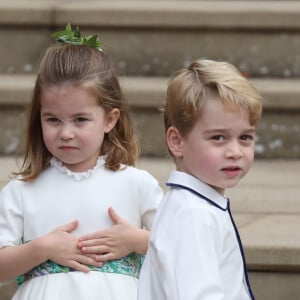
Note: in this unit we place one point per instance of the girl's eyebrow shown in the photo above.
(81, 114)
(46, 113)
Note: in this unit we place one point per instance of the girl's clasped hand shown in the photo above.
(114, 242)
(95, 248)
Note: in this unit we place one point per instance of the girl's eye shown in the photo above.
(80, 120)
(53, 120)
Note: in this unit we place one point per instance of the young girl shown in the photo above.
(79, 157)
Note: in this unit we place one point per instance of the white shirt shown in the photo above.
(194, 252)
(59, 196)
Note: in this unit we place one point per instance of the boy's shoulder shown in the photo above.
(180, 207)
(185, 201)
(195, 191)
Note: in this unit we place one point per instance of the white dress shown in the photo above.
(194, 250)
(58, 196)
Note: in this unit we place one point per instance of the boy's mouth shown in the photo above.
(232, 171)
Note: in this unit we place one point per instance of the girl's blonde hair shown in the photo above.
(88, 67)
(190, 88)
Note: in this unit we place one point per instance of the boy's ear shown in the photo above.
(111, 119)
(174, 141)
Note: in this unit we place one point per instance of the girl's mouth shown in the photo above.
(67, 148)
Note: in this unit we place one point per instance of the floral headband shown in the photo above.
(74, 38)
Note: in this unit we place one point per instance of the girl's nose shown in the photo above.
(66, 132)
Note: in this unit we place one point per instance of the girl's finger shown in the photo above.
(93, 242)
(95, 235)
(78, 266)
(95, 250)
(86, 260)
(114, 216)
(105, 257)
(69, 227)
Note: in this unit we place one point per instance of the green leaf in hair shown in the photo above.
(68, 36)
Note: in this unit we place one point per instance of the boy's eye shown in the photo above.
(246, 137)
(218, 137)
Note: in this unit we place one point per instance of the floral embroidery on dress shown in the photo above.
(128, 265)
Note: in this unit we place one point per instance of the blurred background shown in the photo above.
(148, 41)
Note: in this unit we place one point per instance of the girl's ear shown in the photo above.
(174, 141)
(111, 119)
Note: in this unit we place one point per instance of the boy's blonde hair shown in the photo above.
(88, 67)
(189, 88)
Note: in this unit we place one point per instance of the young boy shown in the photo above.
(195, 252)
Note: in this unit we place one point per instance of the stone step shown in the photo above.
(278, 131)
(266, 207)
(154, 38)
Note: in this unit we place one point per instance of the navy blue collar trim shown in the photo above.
(198, 194)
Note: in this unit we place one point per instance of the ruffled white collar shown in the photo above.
(54, 162)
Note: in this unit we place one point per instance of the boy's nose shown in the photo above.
(234, 150)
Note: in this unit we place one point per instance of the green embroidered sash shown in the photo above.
(128, 265)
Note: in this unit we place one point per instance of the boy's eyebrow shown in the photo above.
(250, 130)
(217, 130)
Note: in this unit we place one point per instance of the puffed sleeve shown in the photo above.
(11, 216)
(151, 196)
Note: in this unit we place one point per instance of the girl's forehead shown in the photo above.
(66, 85)
(67, 88)
(68, 96)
